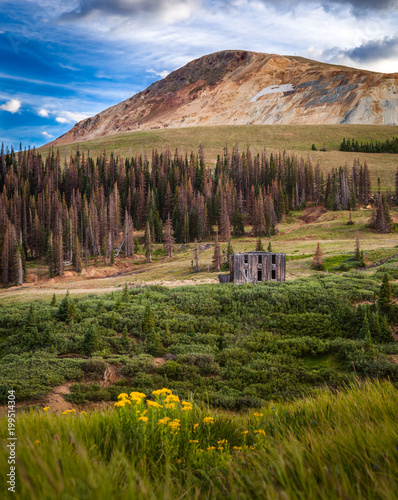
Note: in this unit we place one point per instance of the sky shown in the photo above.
(65, 60)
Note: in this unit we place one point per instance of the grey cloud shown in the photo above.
(374, 50)
(358, 7)
(120, 7)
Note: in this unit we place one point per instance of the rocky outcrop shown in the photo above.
(242, 88)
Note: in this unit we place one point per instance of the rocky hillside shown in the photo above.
(239, 87)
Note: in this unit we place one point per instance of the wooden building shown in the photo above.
(255, 267)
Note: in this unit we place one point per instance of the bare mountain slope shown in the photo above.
(239, 88)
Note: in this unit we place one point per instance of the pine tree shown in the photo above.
(364, 332)
(217, 254)
(126, 296)
(18, 267)
(350, 221)
(385, 295)
(317, 261)
(383, 219)
(230, 250)
(168, 238)
(63, 313)
(125, 337)
(90, 341)
(77, 261)
(53, 302)
(148, 322)
(386, 335)
(259, 245)
(148, 243)
(196, 256)
(269, 248)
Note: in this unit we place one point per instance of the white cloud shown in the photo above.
(12, 105)
(44, 113)
(162, 74)
(69, 117)
(47, 135)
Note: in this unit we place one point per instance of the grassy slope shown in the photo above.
(291, 138)
(329, 446)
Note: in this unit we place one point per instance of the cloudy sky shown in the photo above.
(64, 60)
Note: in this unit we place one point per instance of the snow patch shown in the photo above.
(273, 89)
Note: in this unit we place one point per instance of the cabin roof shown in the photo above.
(257, 253)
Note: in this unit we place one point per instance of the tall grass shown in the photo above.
(332, 445)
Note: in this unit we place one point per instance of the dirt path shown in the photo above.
(312, 214)
(55, 400)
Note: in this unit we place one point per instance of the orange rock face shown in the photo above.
(250, 88)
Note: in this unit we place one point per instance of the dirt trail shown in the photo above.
(55, 400)
(312, 214)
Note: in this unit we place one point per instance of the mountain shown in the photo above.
(237, 87)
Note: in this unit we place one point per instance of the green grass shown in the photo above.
(332, 445)
(291, 138)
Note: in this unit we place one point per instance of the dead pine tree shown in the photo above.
(383, 219)
(217, 255)
(148, 243)
(317, 261)
(196, 256)
(168, 238)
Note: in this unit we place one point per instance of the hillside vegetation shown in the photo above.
(231, 346)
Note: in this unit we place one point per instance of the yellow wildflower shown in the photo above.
(193, 441)
(222, 441)
(46, 408)
(172, 398)
(36, 442)
(186, 408)
(179, 461)
(163, 421)
(159, 392)
(237, 447)
(210, 448)
(260, 431)
(123, 395)
(186, 403)
(195, 427)
(256, 414)
(252, 447)
(120, 403)
(170, 406)
(174, 425)
(143, 419)
(220, 448)
(208, 420)
(83, 413)
(245, 432)
(153, 404)
(135, 395)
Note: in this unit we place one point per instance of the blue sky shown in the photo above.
(62, 61)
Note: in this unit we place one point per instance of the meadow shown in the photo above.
(294, 139)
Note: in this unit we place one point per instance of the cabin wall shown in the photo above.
(273, 267)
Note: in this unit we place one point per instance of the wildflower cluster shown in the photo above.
(179, 430)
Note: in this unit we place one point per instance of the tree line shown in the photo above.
(387, 146)
(72, 209)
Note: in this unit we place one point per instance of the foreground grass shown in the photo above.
(342, 445)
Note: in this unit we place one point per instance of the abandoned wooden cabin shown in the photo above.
(255, 267)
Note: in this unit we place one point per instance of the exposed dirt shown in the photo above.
(159, 361)
(55, 398)
(312, 214)
(111, 375)
(393, 359)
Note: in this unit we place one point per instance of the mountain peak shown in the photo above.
(237, 87)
